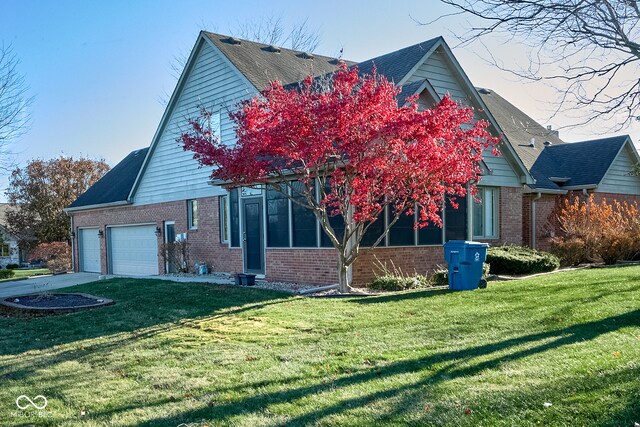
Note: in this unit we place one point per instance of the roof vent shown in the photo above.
(272, 48)
(532, 144)
(233, 40)
(485, 91)
(553, 132)
(548, 143)
(306, 55)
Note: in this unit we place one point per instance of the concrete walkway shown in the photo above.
(44, 283)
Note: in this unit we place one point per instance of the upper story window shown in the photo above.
(192, 214)
(485, 213)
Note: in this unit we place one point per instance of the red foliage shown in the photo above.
(393, 152)
(347, 129)
(57, 255)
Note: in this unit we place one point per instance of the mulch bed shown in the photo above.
(53, 303)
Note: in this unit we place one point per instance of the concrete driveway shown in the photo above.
(44, 283)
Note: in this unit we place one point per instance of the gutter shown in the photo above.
(98, 206)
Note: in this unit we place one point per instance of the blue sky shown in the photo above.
(98, 69)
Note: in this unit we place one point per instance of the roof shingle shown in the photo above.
(116, 185)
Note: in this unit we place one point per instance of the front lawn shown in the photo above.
(24, 274)
(170, 353)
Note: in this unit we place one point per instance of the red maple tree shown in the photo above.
(345, 145)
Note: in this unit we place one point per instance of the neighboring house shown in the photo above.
(602, 167)
(159, 193)
(9, 250)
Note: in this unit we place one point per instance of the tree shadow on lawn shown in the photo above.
(459, 365)
(150, 305)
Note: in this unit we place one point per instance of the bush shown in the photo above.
(572, 251)
(393, 279)
(7, 274)
(520, 260)
(398, 283)
(12, 266)
(608, 231)
(57, 255)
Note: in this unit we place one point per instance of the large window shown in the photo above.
(402, 232)
(485, 213)
(455, 219)
(303, 222)
(5, 250)
(224, 220)
(277, 219)
(192, 214)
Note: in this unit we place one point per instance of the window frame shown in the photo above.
(495, 212)
(192, 220)
(225, 227)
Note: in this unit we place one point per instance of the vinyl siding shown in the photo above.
(439, 73)
(617, 178)
(171, 173)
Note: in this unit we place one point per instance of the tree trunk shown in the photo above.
(344, 276)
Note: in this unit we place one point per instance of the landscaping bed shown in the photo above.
(54, 303)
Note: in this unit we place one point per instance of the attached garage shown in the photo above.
(89, 250)
(133, 250)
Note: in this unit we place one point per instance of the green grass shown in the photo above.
(170, 353)
(25, 274)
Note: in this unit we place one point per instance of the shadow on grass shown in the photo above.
(426, 293)
(150, 305)
(459, 364)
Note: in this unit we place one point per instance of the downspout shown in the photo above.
(73, 245)
(533, 219)
(469, 201)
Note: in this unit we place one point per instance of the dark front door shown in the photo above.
(253, 241)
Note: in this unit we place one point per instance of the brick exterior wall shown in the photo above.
(204, 242)
(313, 266)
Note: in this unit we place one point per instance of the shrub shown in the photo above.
(56, 255)
(12, 266)
(609, 231)
(571, 251)
(7, 274)
(176, 254)
(520, 260)
(398, 283)
(393, 279)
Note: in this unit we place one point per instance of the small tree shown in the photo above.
(57, 255)
(347, 133)
(40, 191)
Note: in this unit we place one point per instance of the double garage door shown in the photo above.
(133, 250)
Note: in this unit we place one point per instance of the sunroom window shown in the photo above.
(485, 214)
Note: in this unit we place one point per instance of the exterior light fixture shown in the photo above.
(158, 231)
(100, 234)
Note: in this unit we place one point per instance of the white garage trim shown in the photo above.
(89, 249)
(133, 249)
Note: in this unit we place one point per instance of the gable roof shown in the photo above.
(396, 65)
(261, 63)
(582, 164)
(114, 187)
(518, 127)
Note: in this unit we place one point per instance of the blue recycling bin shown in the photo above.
(465, 260)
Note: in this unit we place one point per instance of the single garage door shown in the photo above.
(133, 250)
(89, 250)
